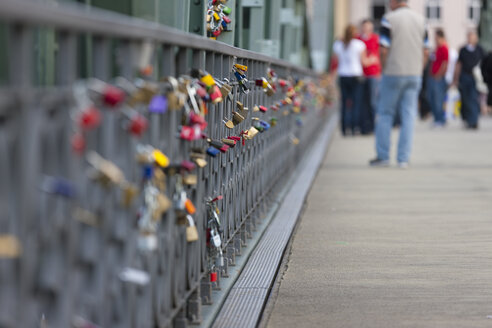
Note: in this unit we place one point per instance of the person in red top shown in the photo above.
(437, 85)
(372, 74)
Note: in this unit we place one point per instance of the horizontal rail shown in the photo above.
(80, 18)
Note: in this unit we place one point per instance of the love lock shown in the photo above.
(191, 230)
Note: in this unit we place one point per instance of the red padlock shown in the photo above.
(217, 33)
(78, 143)
(190, 133)
(216, 95)
(213, 276)
(138, 125)
(282, 83)
(113, 96)
(224, 148)
(234, 138)
(274, 108)
(90, 118)
(188, 165)
(226, 19)
(196, 119)
(263, 109)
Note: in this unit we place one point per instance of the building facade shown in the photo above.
(455, 17)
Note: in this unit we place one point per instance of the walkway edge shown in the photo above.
(245, 302)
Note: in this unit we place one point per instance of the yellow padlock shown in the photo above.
(208, 80)
(161, 159)
(241, 67)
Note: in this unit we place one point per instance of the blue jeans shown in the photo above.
(352, 89)
(436, 93)
(368, 108)
(469, 99)
(397, 94)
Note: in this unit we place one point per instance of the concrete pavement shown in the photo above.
(395, 248)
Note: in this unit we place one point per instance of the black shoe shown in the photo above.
(379, 163)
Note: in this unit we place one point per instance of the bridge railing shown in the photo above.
(71, 252)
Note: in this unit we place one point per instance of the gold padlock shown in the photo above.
(191, 230)
(10, 247)
(129, 193)
(237, 118)
(252, 132)
(163, 205)
(190, 180)
(225, 89)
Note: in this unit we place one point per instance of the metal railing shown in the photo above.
(58, 270)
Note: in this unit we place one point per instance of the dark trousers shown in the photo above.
(470, 101)
(352, 92)
(368, 107)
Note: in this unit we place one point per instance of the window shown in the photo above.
(433, 10)
(474, 7)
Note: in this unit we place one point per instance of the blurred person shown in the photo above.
(372, 74)
(486, 68)
(350, 54)
(424, 104)
(469, 57)
(402, 56)
(436, 84)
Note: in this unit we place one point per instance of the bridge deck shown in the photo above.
(395, 248)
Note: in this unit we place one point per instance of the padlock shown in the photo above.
(229, 124)
(158, 104)
(10, 247)
(251, 133)
(226, 19)
(212, 151)
(213, 276)
(219, 261)
(240, 105)
(224, 148)
(237, 118)
(190, 133)
(90, 118)
(106, 171)
(191, 230)
(215, 238)
(59, 186)
(240, 67)
(84, 216)
(138, 125)
(129, 192)
(229, 142)
(147, 242)
(216, 95)
(161, 159)
(163, 205)
(190, 180)
(226, 10)
(180, 201)
(190, 208)
(113, 96)
(187, 165)
(273, 121)
(78, 143)
(263, 109)
(226, 90)
(207, 79)
(215, 143)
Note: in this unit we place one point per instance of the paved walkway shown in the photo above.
(393, 248)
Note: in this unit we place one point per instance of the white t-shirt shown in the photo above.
(349, 58)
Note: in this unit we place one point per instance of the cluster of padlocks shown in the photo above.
(217, 18)
(189, 94)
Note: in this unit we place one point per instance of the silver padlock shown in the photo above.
(215, 237)
(219, 261)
